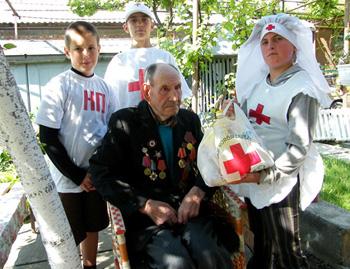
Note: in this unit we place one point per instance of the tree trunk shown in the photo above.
(346, 26)
(195, 71)
(20, 140)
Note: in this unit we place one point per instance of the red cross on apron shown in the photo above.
(270, 27)
(241, 161)
(258, 115)
(137, 85)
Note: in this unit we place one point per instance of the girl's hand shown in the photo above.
(231, 111)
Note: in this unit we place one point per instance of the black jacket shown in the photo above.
(132, 141)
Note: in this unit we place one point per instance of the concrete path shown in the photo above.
(28, 251)
(335, 151)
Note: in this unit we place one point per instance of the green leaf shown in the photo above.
(9, 46)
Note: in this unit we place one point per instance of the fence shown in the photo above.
(212, 79)
(333, 125)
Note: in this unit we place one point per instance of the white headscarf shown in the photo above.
(251, 67)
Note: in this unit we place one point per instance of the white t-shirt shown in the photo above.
(125, 73)
(80, 108)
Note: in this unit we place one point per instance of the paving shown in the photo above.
(28, 252)
(339, 151)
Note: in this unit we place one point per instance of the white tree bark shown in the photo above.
(18, 135)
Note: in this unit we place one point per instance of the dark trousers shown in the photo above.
(276, 234)
(189, 246)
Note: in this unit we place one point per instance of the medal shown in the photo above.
(147, 171)
(182, 163)
(161, 166)
(181, 153)
(189, 138)
(153, 176)
(152, 143)
(189, 146)
(146, 161)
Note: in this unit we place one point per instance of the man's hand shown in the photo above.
(87, 185)
(159, 212)
(190, 205)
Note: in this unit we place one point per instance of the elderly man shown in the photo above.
(146, 166)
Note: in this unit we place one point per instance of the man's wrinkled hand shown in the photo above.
(160, 212)
(190, 205)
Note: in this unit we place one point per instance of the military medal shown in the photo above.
(161, 167)
(147, 172)
(153, 176)
(182, 163)
(146, 162)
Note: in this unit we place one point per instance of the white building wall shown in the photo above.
(33, 85)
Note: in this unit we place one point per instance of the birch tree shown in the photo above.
(18, 136)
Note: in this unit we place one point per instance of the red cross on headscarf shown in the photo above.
(270, 27)
(258, 115)
(241, 161)
(137, 85)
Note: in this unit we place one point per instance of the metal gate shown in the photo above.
(212, 78)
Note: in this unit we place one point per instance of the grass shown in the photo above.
(336, 186)
(7, 169)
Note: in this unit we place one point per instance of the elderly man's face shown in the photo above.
(164, 93)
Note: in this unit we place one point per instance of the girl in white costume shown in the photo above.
(280, 86)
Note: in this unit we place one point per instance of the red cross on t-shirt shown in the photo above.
(241, 161)
(137, 85)
(270, 27)
(258, 115)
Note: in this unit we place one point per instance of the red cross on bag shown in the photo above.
(241, 161)
(137, 85)
(257, 113)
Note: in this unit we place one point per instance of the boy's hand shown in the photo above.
(87, 185)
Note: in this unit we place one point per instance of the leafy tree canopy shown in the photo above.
(236, 21)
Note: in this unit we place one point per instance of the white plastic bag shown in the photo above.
(231, 149)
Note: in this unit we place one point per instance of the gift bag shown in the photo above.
(230, 149)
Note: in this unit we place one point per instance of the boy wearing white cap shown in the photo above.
(281, 87)
(125, 72)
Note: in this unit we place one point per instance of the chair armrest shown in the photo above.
(236, 209)
(121, 259)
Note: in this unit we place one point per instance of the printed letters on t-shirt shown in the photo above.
(96, 100)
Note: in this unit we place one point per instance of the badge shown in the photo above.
(162, 175)
(152, 143)
(153, 176)
(182, 163)
(147, 171)
(189, 146)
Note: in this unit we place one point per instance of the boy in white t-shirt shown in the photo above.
(125, 72)
(73, 118)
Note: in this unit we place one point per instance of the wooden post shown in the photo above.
(195, 75)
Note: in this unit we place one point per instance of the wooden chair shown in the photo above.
(224, 197)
